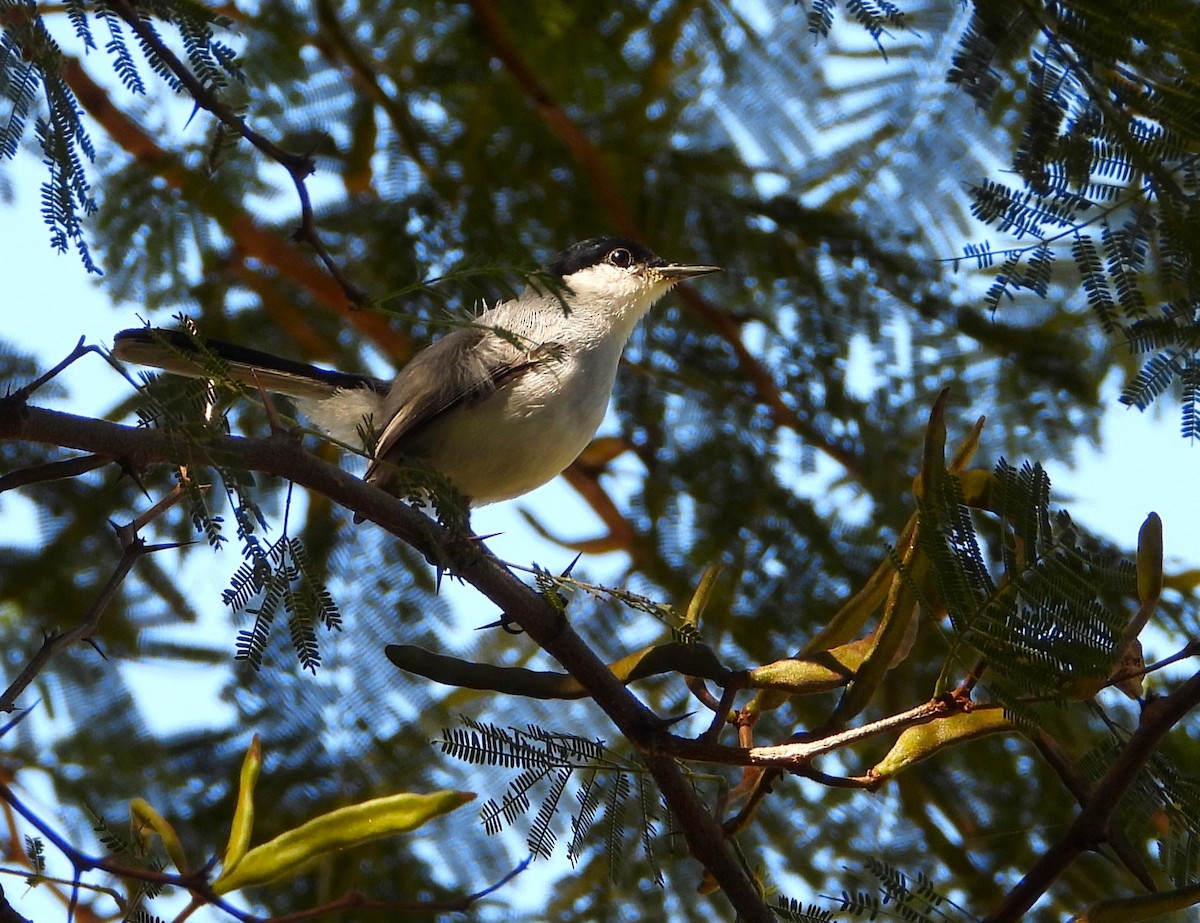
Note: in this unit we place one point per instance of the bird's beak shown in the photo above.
(677, 272)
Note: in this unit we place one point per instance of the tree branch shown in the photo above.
(283, 457)
(133, 549)
(51, 471)
(1078, 786)
(1091, 824)
(690, 659)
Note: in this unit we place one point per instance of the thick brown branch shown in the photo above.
(1078, 786)
(394, 908)
(283, 457)
(1090, 826)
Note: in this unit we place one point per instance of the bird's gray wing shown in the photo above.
(460, 369)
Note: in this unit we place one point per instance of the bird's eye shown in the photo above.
(621, 257)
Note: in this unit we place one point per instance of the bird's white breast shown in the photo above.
(528, 431)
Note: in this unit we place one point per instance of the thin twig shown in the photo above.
(298, 166)
(967, 686)
(799, 753)
(22, 394)
(7, 913)
(721, 714)
(697, 688)
(132, 549)
(1191, 649)
(360, 902)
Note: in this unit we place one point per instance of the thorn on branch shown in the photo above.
(509, 625)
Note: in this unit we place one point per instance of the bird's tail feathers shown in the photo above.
(177, 352)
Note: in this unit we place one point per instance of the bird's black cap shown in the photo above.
(595, 250)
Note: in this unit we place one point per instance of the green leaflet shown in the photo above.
(353, 825)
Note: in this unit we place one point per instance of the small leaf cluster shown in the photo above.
(280, 577)
(32, 65)
(548, 761)
(1107, 170)
(551, 587)
(1049, 618)
(876, 17)
(918, 901)
(35, 75)
(133, 852)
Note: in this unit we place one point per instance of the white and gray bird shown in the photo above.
(499, 407)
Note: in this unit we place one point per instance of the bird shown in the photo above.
(498, 407)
